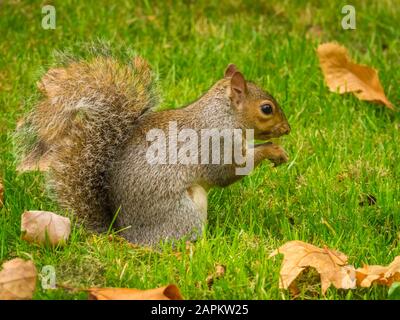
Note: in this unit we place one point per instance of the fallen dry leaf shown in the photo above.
(368, 275)
(17, 280)
(170, 292)
(343, 75)
(330, 264)
(43, 226)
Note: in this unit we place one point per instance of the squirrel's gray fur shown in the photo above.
(91, 125)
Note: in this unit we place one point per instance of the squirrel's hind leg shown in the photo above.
(199, 197)
(169, 219)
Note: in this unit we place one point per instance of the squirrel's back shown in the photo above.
(86, 114)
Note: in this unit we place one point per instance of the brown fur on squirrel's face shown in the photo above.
(258, 109)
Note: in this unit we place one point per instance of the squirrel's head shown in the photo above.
(257, 109)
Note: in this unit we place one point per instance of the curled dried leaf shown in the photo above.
(342, 75)
(42, 227)
(330, 264)
(170, 292)
(368, 275)
(17, 280)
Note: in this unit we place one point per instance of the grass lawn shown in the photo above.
(341, 149)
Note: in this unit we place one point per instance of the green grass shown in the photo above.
(341, 149)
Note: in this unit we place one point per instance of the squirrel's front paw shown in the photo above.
(277, 155)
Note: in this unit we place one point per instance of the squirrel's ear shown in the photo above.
(230, 70)
(238, 89)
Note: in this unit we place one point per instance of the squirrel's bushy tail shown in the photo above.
(86, 114)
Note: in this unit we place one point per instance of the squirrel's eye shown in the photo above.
(267, 108)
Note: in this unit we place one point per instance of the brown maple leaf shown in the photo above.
(43, 226)
(170, 292)
(17, 280)
(330, 264)
(342, 75)
(367, 275)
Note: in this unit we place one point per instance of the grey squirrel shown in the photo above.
(91, 126)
